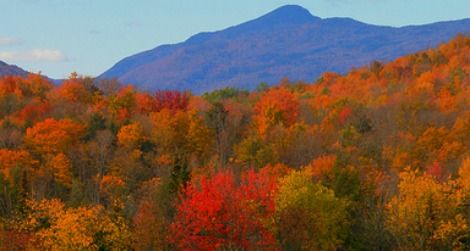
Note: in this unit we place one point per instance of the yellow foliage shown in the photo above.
(84, 228)
(309, 215)
(422, 210)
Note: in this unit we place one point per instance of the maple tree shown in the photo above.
(216, 213)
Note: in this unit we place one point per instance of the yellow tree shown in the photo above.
(55, 227)
(424, 214)
(309, 216)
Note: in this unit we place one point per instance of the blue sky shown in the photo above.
(89, 36)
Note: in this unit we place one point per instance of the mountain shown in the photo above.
(287, 42)
(6, 69)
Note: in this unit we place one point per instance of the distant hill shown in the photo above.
(6, 69)
(287, 42)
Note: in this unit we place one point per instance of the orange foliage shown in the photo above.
(53, 136)
(321, 165)
(130, 135)
(11, 85)
(73, 90)
(34, 111)
(10, 159)
(277, 106)
(113, 152)
(144, 103)
(61, 167)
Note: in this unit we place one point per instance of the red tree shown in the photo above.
(172, 100)
(218, 213)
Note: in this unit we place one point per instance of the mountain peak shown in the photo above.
(291, 9)
(289, 14)
(286, 42)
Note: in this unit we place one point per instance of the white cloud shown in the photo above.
(9, 41)
(50, 55)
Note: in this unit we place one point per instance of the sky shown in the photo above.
(58, 37)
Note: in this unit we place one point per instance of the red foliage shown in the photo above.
(220, 214)
(172, 100)
(435, 170)
(344, 115)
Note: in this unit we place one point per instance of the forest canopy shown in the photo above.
(376, 159)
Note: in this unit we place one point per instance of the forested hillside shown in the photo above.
(377, 159)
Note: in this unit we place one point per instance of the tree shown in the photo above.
(35, 85)
(276, 106)
(308, 215)
(16, 168)
(53, 136)
(130, 136)
(218, 214)
(423, 213)
(255, 153)
(216, 119)
(75, 90)
(56, 227)
(61, 169)
(11, 159)
(321, 166)
(172, 100)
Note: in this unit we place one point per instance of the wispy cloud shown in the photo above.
(9, 41)
(49, 55)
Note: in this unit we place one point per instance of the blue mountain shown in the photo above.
(11, 70)
(287, 42)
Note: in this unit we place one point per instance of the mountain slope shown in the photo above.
(6, 70)
(288, 42)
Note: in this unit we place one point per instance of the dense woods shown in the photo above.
(377, 159)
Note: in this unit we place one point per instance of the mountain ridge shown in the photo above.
(287, 42)
(9, 69)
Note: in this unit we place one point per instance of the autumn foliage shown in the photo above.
(375, 159)
(218, 213)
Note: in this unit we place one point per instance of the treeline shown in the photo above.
(377, 159)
